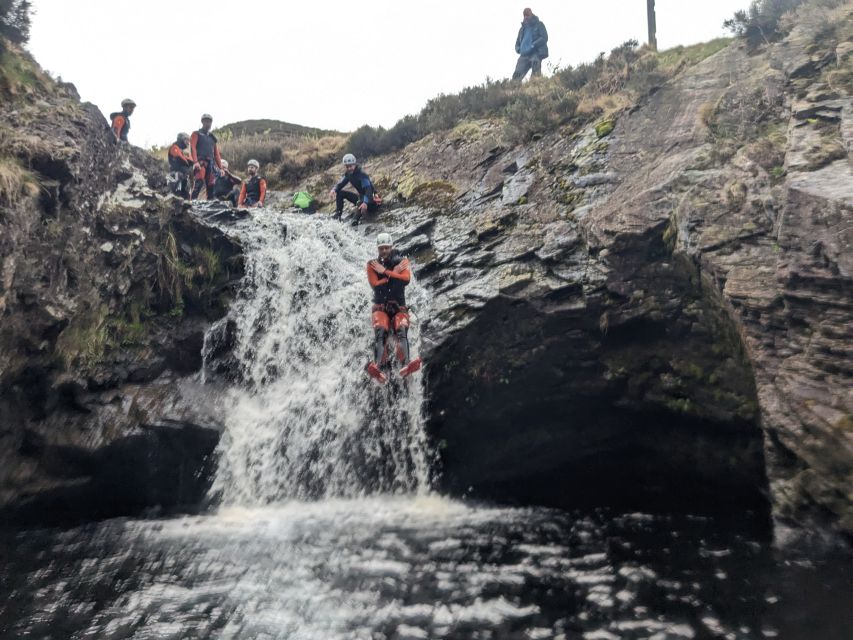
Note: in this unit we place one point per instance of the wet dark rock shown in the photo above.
(107, 285)
(676, 336)
(167, 466)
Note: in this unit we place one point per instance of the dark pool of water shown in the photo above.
(426, 567)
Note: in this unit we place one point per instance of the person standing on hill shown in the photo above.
(254, 190)
(367, 198)
(206, 159)
(180, 166)
(120, 120)
(531, 45)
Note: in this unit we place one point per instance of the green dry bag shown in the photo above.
(303, 200)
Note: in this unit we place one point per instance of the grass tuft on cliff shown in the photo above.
(20, 76)
(16, 183)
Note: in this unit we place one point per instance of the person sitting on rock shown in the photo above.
(531, 45)
(180, 166)
(227, 186)
(388, 276)
(206, 158)
(254, 190)
(120, 120)
(367, 199)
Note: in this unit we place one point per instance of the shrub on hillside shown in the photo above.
(14, 21)
(762, 22)
(302, 156)
(542, 107)
(238, 151)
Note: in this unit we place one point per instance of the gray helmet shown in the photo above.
(384, 240)
(183, 137)
(127, 102)
(253, 163)
(349, 159)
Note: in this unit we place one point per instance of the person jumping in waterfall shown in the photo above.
(388, 276)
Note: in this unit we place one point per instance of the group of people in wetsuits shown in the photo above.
(197, 157)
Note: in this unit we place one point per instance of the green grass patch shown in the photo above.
(687, 56)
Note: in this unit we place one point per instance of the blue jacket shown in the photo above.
(532, 39)
(361, 181)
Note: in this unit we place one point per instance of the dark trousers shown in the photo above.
(525, 64)
(205, 176)
(179, 184)
(354, 198)
(231, 196)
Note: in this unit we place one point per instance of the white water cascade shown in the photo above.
(304, 421)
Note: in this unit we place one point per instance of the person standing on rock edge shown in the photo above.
(367, 198)
(120, 120)
(254, 190)
(180, 166)
(388, 275)
(531, 45)
(206, 159)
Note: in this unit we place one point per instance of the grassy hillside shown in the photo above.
(269, 129)
(287, 152)
(571, 97)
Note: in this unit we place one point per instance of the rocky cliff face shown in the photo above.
(655, 313)
(661, 315)
(106, 287)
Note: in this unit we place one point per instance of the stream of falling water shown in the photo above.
(305, 422)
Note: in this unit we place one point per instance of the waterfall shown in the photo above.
(303, 421)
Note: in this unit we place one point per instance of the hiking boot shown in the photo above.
(337, 215)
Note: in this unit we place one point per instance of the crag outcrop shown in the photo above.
(656, 312)
(106, 288)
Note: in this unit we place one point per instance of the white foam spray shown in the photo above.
(305, 422)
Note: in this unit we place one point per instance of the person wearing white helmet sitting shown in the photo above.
(367, 199)
(120, 120)
(388, 275)
(254, 189)
(226, 186)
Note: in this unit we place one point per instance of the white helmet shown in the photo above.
(349, 159)
(384, 240)
(224, 164)
(206, 116)
(253, 163)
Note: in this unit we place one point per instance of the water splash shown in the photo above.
(304, 421)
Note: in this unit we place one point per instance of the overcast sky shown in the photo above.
(327, 63)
